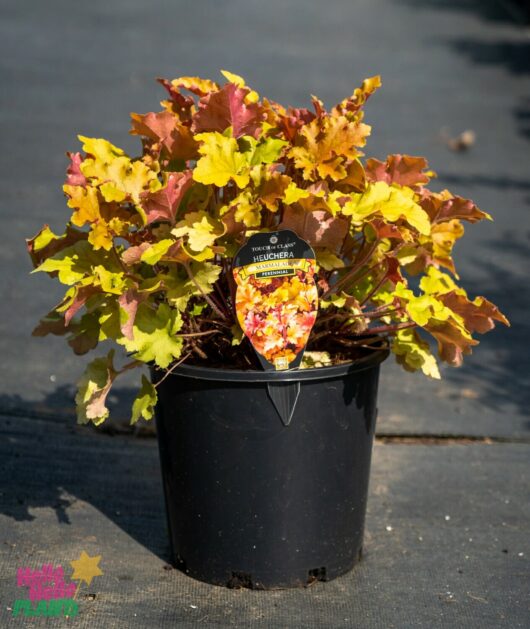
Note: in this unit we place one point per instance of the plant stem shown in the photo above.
(351, 273)
(171, 369)
(131, 365)
(376, 287)
(389, 328)
(192, 334)
(208, 299)
(223, 299)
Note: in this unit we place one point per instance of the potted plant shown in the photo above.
(265, 470)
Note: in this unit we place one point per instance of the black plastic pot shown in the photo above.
(266, 473)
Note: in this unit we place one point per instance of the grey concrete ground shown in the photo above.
(446, 542)
(447, 66)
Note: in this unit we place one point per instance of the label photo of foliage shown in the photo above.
(276, 297)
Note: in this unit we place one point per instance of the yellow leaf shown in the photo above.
(109, 281)
(205, 254)
(156, 251)
(246, 209)
(444, 235)
(111, 193)
(423, 309)
(43, 238)
(195, 84)
(116, 173)
(294, 194)
(101, 236)
(221, 161)
(323, 145)
(84, 202)
(100, 149)
(438, 283)
(391, 202)
(328, 260)
(252, 96)
(201, 230)
(413, 353)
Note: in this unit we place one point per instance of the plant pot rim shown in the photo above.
(372, 359)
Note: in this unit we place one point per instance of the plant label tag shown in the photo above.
(276, 296)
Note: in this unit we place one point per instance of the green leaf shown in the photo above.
(180, 288)
(155, 252)
(155, 335)
(438, 283)
(79, 261)
(145, 401)
(93, 388)
(413, 353)
(315, 359)
(263, 152)
(328, 260)
(85, 333)
(237, 334)
(198, 309)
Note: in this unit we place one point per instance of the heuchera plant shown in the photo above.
(147, 251)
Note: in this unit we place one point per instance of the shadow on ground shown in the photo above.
(490, 10)
(513, 55)
(59, 405)
(71, 469)
(503, 373)
(485, 181)
(522, 116)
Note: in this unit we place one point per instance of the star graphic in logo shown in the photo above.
(86, 568)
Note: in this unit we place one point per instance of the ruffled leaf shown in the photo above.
(46, 244)
(228, 108)
(323, 146)
(156, 251)
(164, 127)
(74, 176)
(479, 315)
(201, 87)
(413, 353)
(76, 262)
(118, 175)
(155, 335)
(145, 402)
(390, 203)
(453, 341)
(444, 207)
(404, 170)
(350, 106)
(164, 204)
(319, 228)
(221, 161)
(180, 288)
(93, 388)
(200, 229)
